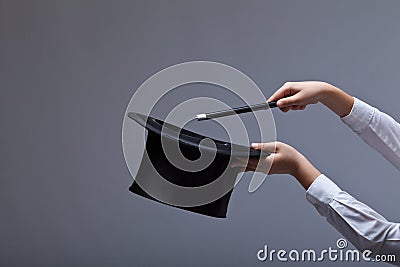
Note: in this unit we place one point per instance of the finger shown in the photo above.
(267, 147)
(249, 169)
(251, 165)
(285, 109)
(290, 101)
(244, 165)
(237, 164)
(263, 166)
(287, 89)
(302, 107)
(245, 161)
(254, 165)
(240, 169)
(280, 93)
(298, 107)
(240, 160)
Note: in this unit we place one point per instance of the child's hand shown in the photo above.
(284, 160)
(297, 95)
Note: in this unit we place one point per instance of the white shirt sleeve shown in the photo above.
(377, 129)
(361, 225)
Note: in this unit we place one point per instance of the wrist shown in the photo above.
(337, 100)
(304, 172)
(328, 93)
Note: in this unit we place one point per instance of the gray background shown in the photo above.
(68, 70)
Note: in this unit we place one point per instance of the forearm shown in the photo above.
(336, 100)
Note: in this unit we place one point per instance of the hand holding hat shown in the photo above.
(284, 160)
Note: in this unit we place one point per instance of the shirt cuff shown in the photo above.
(360, 116)
(321, 192)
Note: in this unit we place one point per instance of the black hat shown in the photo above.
(156, 166)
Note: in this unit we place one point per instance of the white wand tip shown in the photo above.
(201, 116)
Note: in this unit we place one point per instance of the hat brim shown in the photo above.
(193, 139)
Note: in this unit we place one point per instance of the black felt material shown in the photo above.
(155, 163)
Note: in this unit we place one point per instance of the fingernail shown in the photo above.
(254, 145)
(279, 103)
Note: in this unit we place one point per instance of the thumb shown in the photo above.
(266, 147)
(289, 101)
